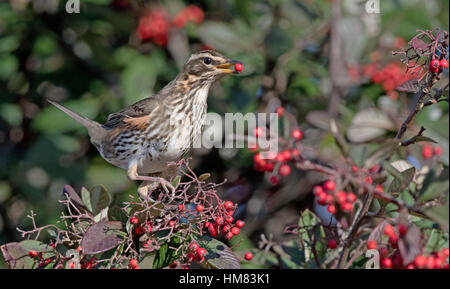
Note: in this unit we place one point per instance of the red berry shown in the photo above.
(229, 219)
(438, 263)
(295, 153)
(332, 244)
(238, 67)
(32, 253)
(213, 232)
(297, 134)
(287, 155)
(189, 257)
(280, 158)
(332, 209)
(137, 267)
(269, 167)
(258, 132)
(427, 151)
(430, 262)
(181, 208)
(341, 197)
(226, 229)
(235, 230)
(134, 220)
(443, 63)
(219, 220)
(389, 230)
(284, 170)
(386, 263)
(194, 247)
(329, 199)
(248, 256)
(329, 185)
(274, 180)
(351, 197)
(172, 223)
(317, 190)
(199, 208)
(434, 65)
(322, 199)
(229, 235)
(280, 111)
(139, 230)
(228, 205)
(402, 229)
(133, 263)
(347, 207)
(383, 251)
(368, 180)
(354, 169)
(240, 223)
(445, 251)
(173, 265)
(420, 261)
(148, 227)
(371, 244)
(438, 151)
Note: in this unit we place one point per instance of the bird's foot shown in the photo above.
(156, 182)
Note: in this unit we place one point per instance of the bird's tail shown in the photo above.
(94, 128)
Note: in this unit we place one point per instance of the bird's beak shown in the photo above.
(224, 67)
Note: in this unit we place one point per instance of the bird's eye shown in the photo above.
(207, 60)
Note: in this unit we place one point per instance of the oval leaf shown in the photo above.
(101, 237)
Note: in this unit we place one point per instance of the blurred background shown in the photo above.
(316, 58)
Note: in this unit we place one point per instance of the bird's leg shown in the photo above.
(143, 188)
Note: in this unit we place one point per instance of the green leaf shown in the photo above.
(434, 185)
(204, 177)
(218, 255)
(11, 113)
(310, 232)
(291, 255)
(139, 77)
(369, 124)
(100, 199)
(17, 257)
(403, 173)
(176, 181)
(8, 65)
(440, 215)
(261, 258)
(166, 255)
(421, 138)
(86, 197)
(35, 245)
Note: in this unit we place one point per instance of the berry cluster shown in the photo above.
(391, 258)
(155, 25)
(438, 65)
(428, 151)
(224, 223)
(390, 76)
(278, 162)
(327, 195)
(190, 13)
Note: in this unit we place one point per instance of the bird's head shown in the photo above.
(208, 66)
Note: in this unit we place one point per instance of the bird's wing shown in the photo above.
(139, 109)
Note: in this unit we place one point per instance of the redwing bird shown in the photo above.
(143, 137)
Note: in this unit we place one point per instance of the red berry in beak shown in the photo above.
(238, 67)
